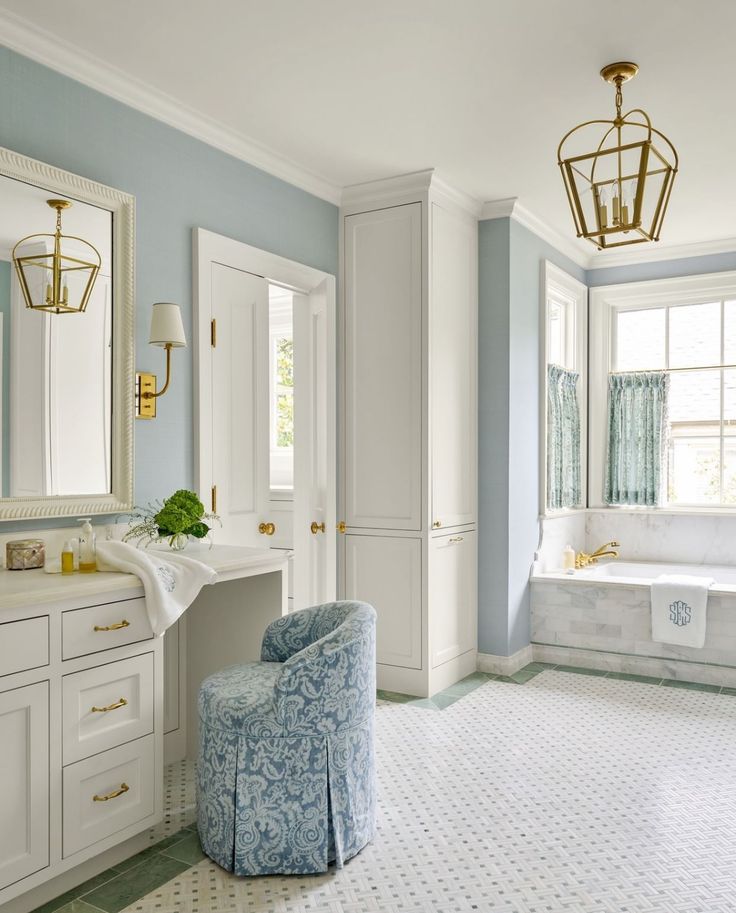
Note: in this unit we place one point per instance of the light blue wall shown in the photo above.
(179, 183)
(494, 283)
(510, 267)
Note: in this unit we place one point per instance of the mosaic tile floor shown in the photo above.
(573, 794)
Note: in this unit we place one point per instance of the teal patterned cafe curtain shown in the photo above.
(563, 439)
(637, 423)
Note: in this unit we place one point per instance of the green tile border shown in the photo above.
(460, 689)
(131, 879)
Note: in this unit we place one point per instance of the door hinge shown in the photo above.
(214, 499)
(213, 333)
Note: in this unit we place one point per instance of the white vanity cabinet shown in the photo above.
(24, 781)
(409, 420)
(81, 723)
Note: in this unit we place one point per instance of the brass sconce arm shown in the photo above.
(152, 394)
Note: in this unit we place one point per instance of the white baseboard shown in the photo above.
(505, 665)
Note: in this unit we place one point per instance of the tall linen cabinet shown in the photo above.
(409, 308)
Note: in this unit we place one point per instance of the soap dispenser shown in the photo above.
(87, 549)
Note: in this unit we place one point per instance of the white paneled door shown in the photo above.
(315, 564)
(233, 405)
(240, 402)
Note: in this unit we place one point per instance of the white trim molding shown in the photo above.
(655, 253)
(30, 40)
(386, 192)
(511, 208)
(504, 665)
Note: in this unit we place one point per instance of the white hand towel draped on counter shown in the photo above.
(170, 581)
(679, 607)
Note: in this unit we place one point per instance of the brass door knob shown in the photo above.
(267, 529)
(341, 527)
(316, 527)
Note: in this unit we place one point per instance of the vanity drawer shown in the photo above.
(106, 706)
(103, 627)
(24, 644)
(106, 793)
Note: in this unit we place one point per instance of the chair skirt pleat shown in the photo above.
(285, 805)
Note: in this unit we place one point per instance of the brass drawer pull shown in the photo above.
(121, 703)
(116, 627)
(454, 539)
(113, 795)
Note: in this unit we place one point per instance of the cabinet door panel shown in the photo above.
(453, 368)
(386, 571)
(452, 594)
(24, 782)
(383, 368)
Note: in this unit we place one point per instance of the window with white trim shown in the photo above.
(686, 327)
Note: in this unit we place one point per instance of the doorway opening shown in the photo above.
(266, 406)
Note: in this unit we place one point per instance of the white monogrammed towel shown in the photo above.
(170, 581)
(679, 604)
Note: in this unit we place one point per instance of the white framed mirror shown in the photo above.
(67, 365)
(563, 405)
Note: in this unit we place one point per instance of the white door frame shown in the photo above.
(209, 248)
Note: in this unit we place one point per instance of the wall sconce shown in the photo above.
(167, 331)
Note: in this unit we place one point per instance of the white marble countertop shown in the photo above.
(20, 588)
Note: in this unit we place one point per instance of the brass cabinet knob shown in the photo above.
(316, 527)
(341, 527)
(267, 529)
(437, 524)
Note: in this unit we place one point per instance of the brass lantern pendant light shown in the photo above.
(58, 280)
(618, 193)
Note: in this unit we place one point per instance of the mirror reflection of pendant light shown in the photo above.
(618, 193)
(60, 280)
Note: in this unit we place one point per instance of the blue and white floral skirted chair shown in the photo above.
(286, 778)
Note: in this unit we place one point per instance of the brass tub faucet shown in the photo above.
(582, 559)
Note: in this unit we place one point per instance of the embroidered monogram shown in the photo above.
(168, 581)
(681, 613)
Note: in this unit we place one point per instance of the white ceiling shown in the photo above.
(481, 90)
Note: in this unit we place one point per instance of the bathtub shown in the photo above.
(600, 617)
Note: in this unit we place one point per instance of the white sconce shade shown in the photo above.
(167, 328)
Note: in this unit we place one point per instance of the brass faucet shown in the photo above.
(582, 559)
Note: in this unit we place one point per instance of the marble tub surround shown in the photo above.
(687, 538)
(606, 624)
(555, 533)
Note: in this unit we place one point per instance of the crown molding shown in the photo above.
(43, 47)
(511, 208)
(385, 190)
(656, 252)
(405, 187)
